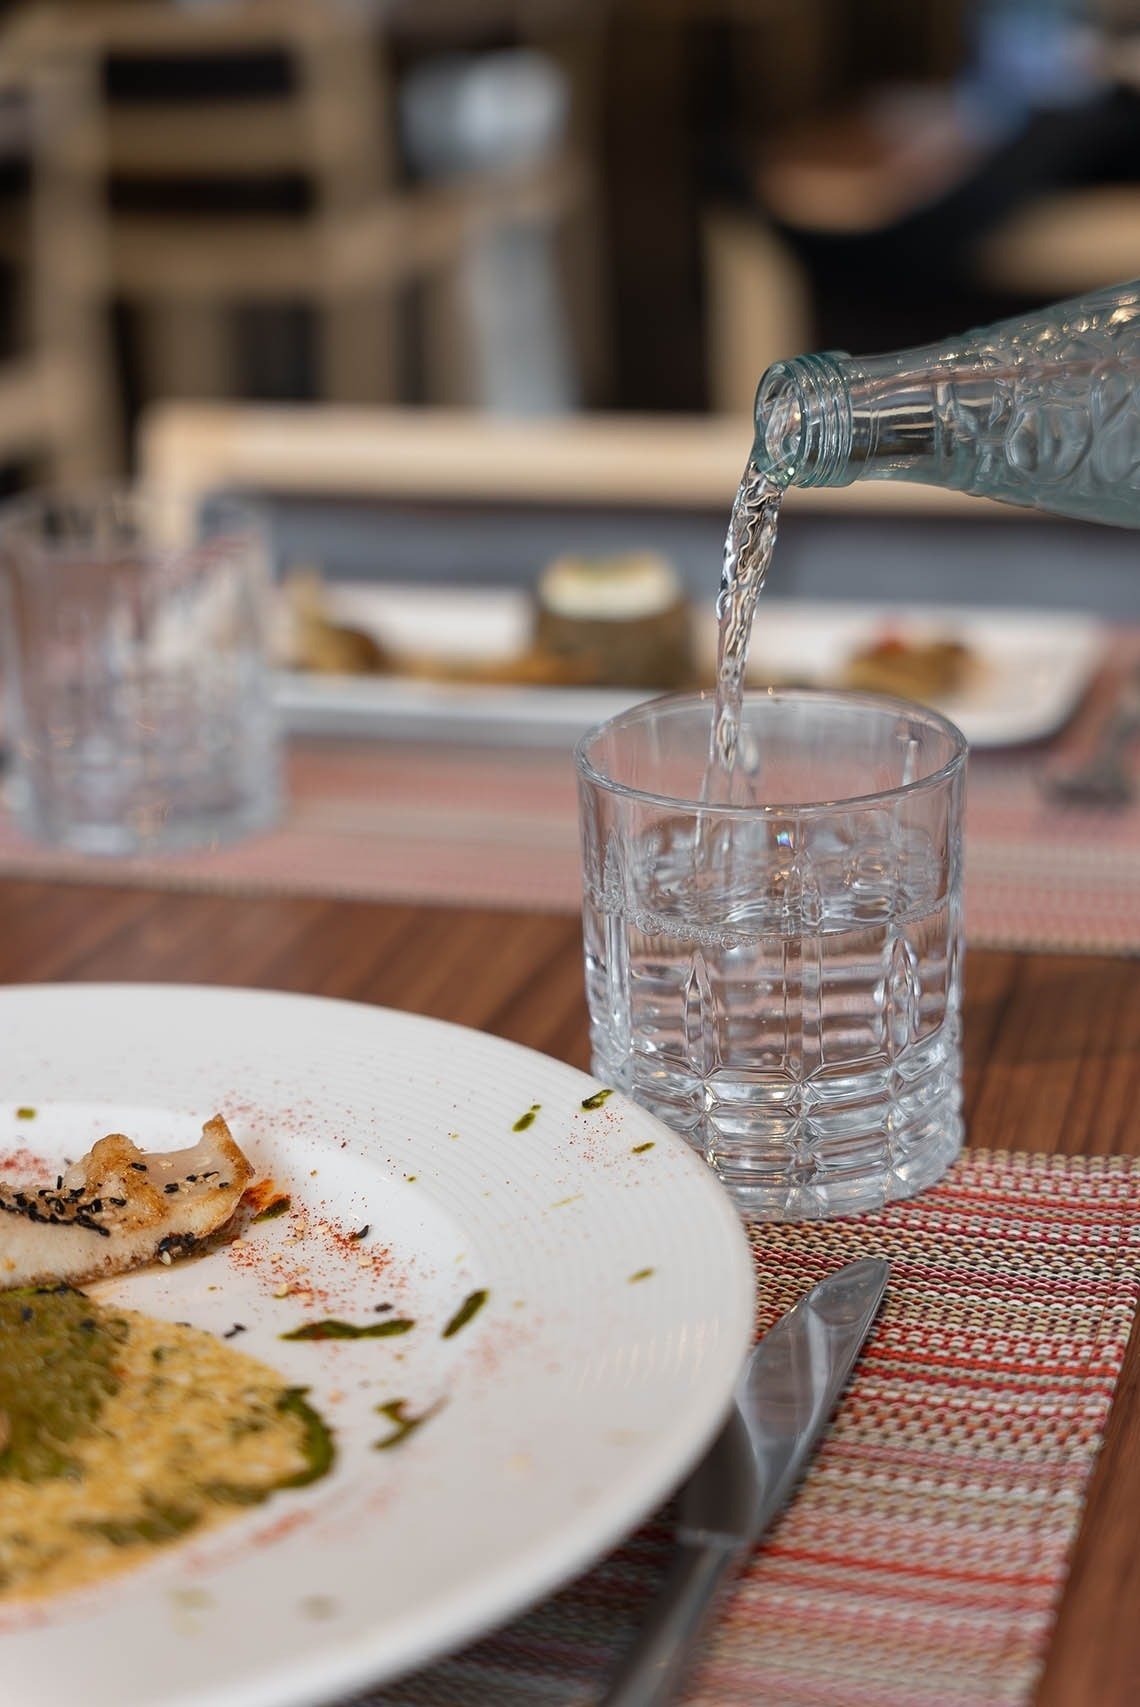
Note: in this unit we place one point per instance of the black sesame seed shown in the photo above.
(173, 1186)
(82, 1220)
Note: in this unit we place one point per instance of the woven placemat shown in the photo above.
(497, 827)
(922, 1561)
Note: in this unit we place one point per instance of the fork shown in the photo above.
(1104, 779)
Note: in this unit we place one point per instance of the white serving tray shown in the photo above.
(1033, 666)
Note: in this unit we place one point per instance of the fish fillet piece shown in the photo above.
(120, 1207)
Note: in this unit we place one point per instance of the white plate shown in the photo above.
(1033, 666)
(619, 1309)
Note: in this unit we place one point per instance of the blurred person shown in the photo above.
(1043, 103)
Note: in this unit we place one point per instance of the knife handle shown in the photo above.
(655, 1667)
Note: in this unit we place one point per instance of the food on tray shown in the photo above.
(624, 620)
(120, 1207)
(120, 1434)
(932, 668)
(318, 643)
(618, 621)
(532, 667)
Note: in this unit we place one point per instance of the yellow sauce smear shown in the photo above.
(173, 1434)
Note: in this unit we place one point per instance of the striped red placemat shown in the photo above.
(474, 826)
(922, 1561)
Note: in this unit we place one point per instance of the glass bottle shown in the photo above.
(1042, 411)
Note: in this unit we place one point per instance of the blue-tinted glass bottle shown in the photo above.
(1042, 411)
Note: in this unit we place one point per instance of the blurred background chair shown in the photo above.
(653, 462)
(58, 418)
(536, 207)
(436, 499)
(267, 234)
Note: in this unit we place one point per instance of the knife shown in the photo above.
(784, 1399)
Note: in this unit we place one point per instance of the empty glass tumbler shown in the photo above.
(139, 711)
(780, 980)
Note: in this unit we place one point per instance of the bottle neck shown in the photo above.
(804, 423)
(828, 419)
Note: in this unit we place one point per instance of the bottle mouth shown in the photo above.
(803, 422)
(779, 421)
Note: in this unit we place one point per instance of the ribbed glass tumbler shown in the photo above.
(779, 979)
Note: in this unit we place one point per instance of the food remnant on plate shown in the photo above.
(599, 1097)
(319, 1606)
(396, 1410)
(122, 1434)
(25, 1114)
(120, 1207)
(640, 1274)
(912, 668)
(278, 1206)
(640, 1149)
(470, 1307)
(527, 1119)
(351, 1330)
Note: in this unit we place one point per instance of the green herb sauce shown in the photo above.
(57, 1369)
(396, 1410)
(470, 1307)
(352, 1330)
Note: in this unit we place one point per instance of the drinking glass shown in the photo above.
(779, 979)
(138, 691)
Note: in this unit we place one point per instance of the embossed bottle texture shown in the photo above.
(1041, 411)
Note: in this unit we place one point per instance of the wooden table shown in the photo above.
(1053, 1063)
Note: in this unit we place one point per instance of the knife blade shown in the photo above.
(784, 1400)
